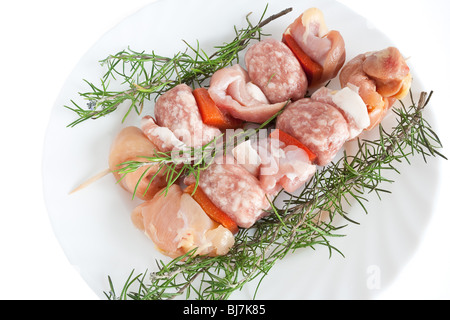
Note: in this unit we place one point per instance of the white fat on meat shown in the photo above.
(295, 169)
(162, 137)
(230, 88)
(177, 224)
(255, 92)
(246, 156)
(353, 106)
(310, 35)
(276, 165)
(284, 167)
(348, 101)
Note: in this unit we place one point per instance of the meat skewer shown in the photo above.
(310, 131)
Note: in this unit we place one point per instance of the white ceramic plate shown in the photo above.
(94, 227)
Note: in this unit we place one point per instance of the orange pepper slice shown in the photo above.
(291, 141)
(210, 208)
(211, 114)
(312, 69)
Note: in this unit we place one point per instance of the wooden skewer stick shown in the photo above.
(91, 180)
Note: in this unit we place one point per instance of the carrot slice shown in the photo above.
(211, 114)
(210, 208)
(291, 141)
(312, 69)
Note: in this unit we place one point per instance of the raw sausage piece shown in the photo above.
(177, 224)
(129, 144)
(233, 92)
(276, 71)
(235, 191)
(319, 126)
(177, 110)
(350, 104)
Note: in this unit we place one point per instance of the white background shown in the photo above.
(42, 41)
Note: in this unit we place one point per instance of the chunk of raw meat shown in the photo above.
(231, 90)
(162, 137)
(381, 77)
(235, 191)
(327, 48)
(177, 110)
(129, 145)
(177, 224)
(351, 105)
(317, 125)
(276, 71)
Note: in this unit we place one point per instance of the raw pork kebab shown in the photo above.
(233, 191)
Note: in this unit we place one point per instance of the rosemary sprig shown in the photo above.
(301, 221)
(148, 75)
